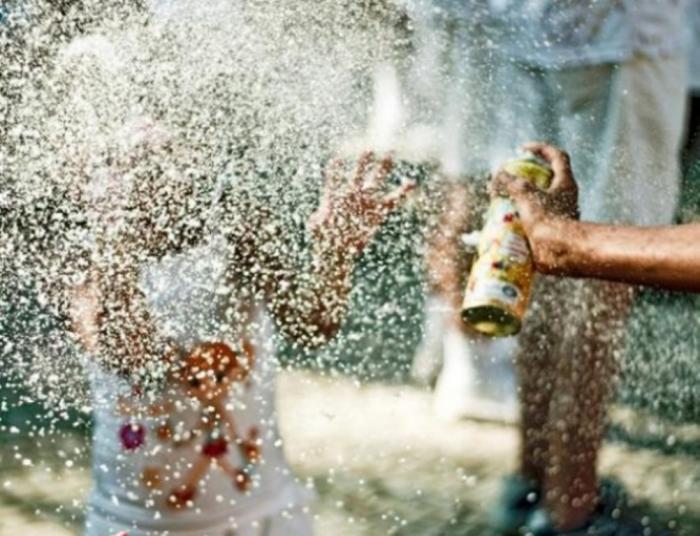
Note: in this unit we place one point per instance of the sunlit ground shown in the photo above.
(381, 464)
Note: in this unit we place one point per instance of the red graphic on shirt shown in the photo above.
(132, 436)
(207, 374)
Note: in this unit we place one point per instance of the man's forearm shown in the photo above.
(667, 257)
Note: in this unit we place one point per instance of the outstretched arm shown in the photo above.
(667, 257)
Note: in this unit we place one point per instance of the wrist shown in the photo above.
(550, 243)
(329, 250)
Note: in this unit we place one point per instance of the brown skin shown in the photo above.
(567, 366)
(566, 380)
(666, 257)
(446, 259)
(110, 314)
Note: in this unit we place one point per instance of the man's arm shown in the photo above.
(667, 257)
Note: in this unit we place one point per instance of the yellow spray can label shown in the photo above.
(499, 286)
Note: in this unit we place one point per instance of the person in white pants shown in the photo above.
(449, 115)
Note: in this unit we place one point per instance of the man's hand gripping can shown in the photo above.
(499, 286)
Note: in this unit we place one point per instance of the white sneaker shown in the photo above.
(477, 379)
(429, 355)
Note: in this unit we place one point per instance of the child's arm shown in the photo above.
(132, 222)
(51, 250)
(309, 305)
(667, 257)
(109, 314)
(127, 339)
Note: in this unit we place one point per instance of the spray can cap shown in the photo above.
(530, 167)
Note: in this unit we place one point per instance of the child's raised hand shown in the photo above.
(353, 207)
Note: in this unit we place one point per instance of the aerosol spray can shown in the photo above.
(499, 286)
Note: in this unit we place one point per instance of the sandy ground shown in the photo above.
(380, 464)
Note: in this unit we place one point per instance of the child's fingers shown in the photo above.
(545, 150)
(334, 173)
(521, 191)
(499, 183)
(314, 222)
(563, 190)
(385, 167)
(362, 166)
(394, 198)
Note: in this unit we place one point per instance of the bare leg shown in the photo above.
(585, 376)
(536, 358)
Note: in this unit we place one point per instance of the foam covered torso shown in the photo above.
(201, 455)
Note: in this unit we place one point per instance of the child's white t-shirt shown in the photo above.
(143, 458)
